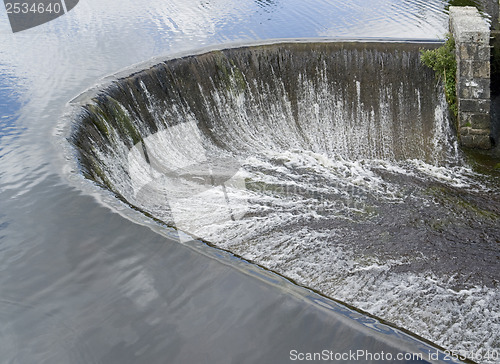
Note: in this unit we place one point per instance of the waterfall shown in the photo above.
(332, 163)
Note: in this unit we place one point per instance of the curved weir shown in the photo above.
(333, 164)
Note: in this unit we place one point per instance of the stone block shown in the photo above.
(468, 26)
(477, 121)
(467, 141)
(476, 141)
(464, 68)
(473, 51)
(474, 106)
(473, 69)
(481, 69)
(483, 53)
(473, 88)
(482, 141)
(473, 131)
(465, 50)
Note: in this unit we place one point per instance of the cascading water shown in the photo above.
(333, 164)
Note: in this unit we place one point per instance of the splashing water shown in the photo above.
(333, 164)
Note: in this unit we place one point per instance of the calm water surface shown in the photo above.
(83, 283)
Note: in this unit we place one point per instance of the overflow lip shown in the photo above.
(84, 97)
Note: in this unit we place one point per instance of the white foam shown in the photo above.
(294, 193)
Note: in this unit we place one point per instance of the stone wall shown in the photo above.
(472, 38)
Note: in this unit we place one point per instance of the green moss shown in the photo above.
(98, 119)
(229, 73)
(456, 203)
(97, 174)
(124, 121)
(238, 76)
(442, 60)
(483, 162)
(220, 62)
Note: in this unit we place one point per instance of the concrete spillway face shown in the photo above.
(170, 140)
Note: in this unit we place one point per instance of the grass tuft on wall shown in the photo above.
(442, 60)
